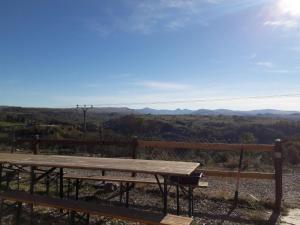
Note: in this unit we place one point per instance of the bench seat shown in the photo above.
(96, 209)
(141, 180)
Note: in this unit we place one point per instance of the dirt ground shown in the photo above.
(213, 205)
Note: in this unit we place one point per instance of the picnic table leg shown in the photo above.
(191, 201)
(18, 181)
(72, 218)
(77, 189)
(18, 215)
(165, 194)
(47, 184)
(61, 185)
(32, 181)
(56, 183)
(1, 209)
(121, 192)
(69, 188)
(1, 170)
(127, 195)
(1, 200)
(87, 219)
(177, 198)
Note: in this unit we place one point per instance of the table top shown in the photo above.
(115, 164)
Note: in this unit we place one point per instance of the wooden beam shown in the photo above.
(205, 146)
(160, 144)
(74, 142)
(249, 175)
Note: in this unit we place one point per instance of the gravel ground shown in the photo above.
(212, 205)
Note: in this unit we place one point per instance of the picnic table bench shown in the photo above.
(96, 209)
(164, 169)
(131, 181)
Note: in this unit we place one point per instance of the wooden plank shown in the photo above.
(114, 179)
(96, 209)
(137, 180)
(113, 164)
(75, 142)
(253, 175)
(205, 146)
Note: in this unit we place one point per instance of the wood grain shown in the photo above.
(113, 164)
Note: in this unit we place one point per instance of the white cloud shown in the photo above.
(163, 85)
(281, 71)
(289, 7)
(265, 64)
(282, 23)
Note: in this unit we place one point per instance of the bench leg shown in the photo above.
(18, 215)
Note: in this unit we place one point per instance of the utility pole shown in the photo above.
(84, 109)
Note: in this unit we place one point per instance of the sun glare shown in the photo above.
(291, 7)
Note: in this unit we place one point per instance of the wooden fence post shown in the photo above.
(36, 145)
(278, 174)
(133, 152)
(13, 140)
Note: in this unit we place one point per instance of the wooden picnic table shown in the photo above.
(153, 167)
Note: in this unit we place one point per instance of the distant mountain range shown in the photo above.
(204, 112)
(208, 112)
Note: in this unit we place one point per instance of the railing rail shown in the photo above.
(275, 150)
(205, 146)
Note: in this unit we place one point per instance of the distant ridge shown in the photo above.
(209, 112)
(127, 111)
(164, 111)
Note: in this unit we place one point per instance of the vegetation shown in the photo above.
(67, 123)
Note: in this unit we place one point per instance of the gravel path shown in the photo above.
(293, 218)
(212, 205)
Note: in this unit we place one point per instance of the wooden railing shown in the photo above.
(275, 150)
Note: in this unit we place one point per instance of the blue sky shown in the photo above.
(58, 53)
